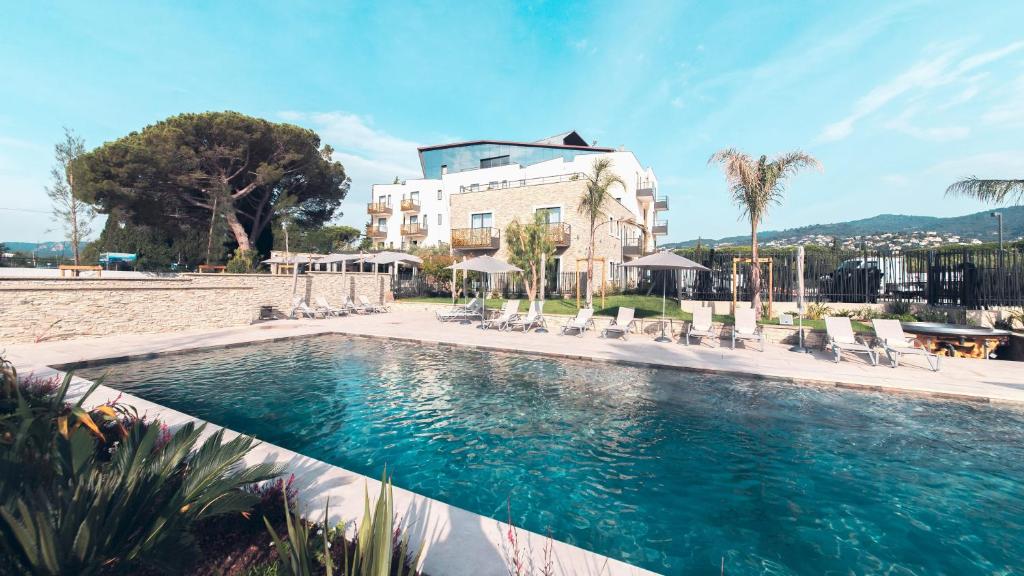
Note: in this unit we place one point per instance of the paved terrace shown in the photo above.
(967, 379)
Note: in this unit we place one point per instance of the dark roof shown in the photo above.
(569, 140)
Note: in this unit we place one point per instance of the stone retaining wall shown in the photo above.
(34, 309)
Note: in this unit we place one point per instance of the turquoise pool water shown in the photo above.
(669, 470)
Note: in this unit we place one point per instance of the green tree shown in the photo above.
(526, 244)
(74, 215)
(599, 184)
(157, 248)
(191, 167)
(990, 191)
(756, 185)
(320, 239)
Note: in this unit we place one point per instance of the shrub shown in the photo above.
(898, 308)
(817, 311)
(931, 315)
(242, 262)
(101, 490)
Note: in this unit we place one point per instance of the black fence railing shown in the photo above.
(967, 278)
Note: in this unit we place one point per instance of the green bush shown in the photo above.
(242, 262)
(89, 491)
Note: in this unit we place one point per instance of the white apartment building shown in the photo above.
(474, 189)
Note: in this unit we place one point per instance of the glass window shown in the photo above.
(438, 194)
(438, 219)
(551, 215)
(482, 220)
(382, 199)
(414, 196)
(414, 220)
(382, 224)
(495, 161)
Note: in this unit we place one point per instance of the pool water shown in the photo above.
(673, 471)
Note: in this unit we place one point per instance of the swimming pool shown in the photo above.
(669, 470)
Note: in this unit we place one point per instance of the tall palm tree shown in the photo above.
(599, 184)
(755, 185)
(991, 191)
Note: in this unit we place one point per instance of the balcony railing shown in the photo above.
(378, 209)
(560, 233)
(633, 247)
(475, 238)
(660, 228)
(645, 195)
(661, 204)
(414, 230)
(373, 231)
(502, 184)
(410, 205)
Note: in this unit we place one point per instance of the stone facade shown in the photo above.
(506, 205)
(53, 309)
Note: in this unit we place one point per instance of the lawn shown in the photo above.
(645, 306)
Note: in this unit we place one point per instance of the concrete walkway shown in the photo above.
(967, 379)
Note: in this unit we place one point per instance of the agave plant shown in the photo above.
(74, 502)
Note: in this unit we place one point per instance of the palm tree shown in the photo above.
(599, 183)
(991, 191)
(756, 185)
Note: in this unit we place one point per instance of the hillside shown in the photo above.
(980, 226)
(43, 249)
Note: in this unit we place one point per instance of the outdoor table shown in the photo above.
(957, 340)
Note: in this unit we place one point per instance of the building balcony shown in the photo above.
(560, 233)
(376, 231)
(410, 205)
(633, 247)
(645, 196)
(660, 228)
(661, 204)
(475, 238)
(378, 209)
(414, 230)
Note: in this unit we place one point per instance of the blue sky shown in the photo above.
(897, 99)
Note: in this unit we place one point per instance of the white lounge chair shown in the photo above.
(371, 307)
(584, 319)
(325, 306)
(508, 312)
(701, 325)
(842, 339)
(300, 308)
(533, 319)
(745, 327)
(896, 343)
(460, 312)
(355, 308)
(622, 325)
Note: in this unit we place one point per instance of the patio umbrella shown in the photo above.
(664, 261)
(800, 300)
(487, 265)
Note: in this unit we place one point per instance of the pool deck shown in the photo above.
(959, 378)
(460, 542)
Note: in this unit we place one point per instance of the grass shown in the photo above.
(645, 306)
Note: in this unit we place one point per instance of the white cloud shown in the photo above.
(1001, 164)
(918, 82)
(678, 102)
(583, 46)
(370, 155)
(904, 123)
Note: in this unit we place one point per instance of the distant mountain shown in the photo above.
(45, 249)
(980, 226)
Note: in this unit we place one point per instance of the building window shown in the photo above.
(382, 200)
(495, 161)
(415, 197)
(551, 215)
(382, 224)
(438, 194)
(482, 220)
(438, 219)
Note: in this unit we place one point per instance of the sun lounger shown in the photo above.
(300, 308)
(533, 319)
(371, 307)
(584, 319)
(842, 339)
(745, 327)
(325, 306)
(460, 312)
(509, 311)
(700, 326)
(896, 343)
(622, 325)
(355, 308)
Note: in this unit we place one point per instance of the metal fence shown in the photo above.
(966, 278)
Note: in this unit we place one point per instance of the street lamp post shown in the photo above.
(999, 219)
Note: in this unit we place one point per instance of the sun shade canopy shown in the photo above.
(665, 261)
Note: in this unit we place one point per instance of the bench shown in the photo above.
(210, 268)
(75, 270)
